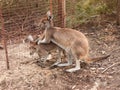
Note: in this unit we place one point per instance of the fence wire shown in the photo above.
(19, 17)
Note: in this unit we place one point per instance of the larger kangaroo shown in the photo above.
(72, 41)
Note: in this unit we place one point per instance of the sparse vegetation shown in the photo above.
(86, 10)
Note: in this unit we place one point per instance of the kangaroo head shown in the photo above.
(44, 22)
(33, 47)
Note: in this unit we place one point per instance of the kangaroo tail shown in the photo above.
(91, 60)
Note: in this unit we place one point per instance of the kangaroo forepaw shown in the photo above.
(38, 42)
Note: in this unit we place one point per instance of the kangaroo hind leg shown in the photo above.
(77, 67)
(69, 61)
(59, 57)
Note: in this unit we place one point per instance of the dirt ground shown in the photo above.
(102, 75)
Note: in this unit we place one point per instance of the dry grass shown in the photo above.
(30, 76)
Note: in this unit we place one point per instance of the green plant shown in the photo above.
(86, 9)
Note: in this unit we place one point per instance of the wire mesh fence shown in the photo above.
(17, 21)
(19, 16)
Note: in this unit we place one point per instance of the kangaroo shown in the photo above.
(43, 50)
(72, 41)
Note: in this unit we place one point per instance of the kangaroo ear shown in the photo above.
(30, 38)
(48, 13)
(49, 16)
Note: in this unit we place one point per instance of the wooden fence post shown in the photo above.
(62, 12)
(51, 10)
(4, 38)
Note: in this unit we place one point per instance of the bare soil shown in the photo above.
(102, 75)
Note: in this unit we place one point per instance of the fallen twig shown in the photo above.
(110, 66)
(29, 62)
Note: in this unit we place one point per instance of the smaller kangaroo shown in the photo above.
(72, 41)
(43, 50)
